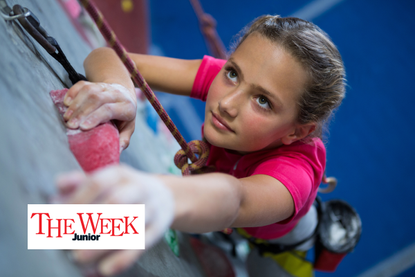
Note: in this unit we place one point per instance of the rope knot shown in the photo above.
(201, 148)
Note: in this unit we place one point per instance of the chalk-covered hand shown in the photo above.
(119, 185)
(90, 104)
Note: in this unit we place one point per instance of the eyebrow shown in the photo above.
(256, 87)
(236, 66)
(269, 94)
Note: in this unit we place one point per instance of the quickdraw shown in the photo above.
(33, 27)
(31, 24)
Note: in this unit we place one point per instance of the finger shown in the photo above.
(100, 115)
(126, 131)
(153, 234)
(72, 92)
(97, 185)
(118, 261)
(131, 188)
(86, 256)
(105, 100)
(88, 99)
(159, 216)
(107, 112)
(128, 193)
(157, 226)
(67, 184)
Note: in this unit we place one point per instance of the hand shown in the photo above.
(119, 185)
(90, 104)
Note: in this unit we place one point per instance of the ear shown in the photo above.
(300, 132)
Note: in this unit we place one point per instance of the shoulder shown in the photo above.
(206, 73)
(312, 152)
(299, 167)
(299, 162)
(212, 63)
(209, 68)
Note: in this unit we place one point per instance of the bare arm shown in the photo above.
(204, 203)
(170, 75)
(103, 65)
(212, 202)
(161, 73)
(199, 204)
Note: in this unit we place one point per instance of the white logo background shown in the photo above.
(69, 211)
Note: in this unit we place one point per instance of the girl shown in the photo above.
(266, 107)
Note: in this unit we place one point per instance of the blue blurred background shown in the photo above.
(370, 147)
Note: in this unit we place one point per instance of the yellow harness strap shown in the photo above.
(293, 261)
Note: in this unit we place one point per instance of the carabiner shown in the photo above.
(13, 17)
(32, 25)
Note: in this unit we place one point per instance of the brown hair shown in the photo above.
(316, 52)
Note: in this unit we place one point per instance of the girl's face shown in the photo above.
(252, 102)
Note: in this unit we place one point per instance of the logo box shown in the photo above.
(79, 226)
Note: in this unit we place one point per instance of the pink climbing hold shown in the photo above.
(94, 148)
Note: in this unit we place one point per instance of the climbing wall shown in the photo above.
(34, 148)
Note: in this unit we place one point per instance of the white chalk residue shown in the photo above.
(71, 132)
(337, 234)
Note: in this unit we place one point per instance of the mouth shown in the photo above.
(220, 123)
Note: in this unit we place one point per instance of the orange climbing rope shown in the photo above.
(188, 150)
(208, 28)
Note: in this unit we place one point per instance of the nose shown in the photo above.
(230, 103)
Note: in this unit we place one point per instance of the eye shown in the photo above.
(232, 75)
(263, 102)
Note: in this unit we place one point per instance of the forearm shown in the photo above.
(170, 75)
(161, 73)
(204, 203)
(103, 65)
